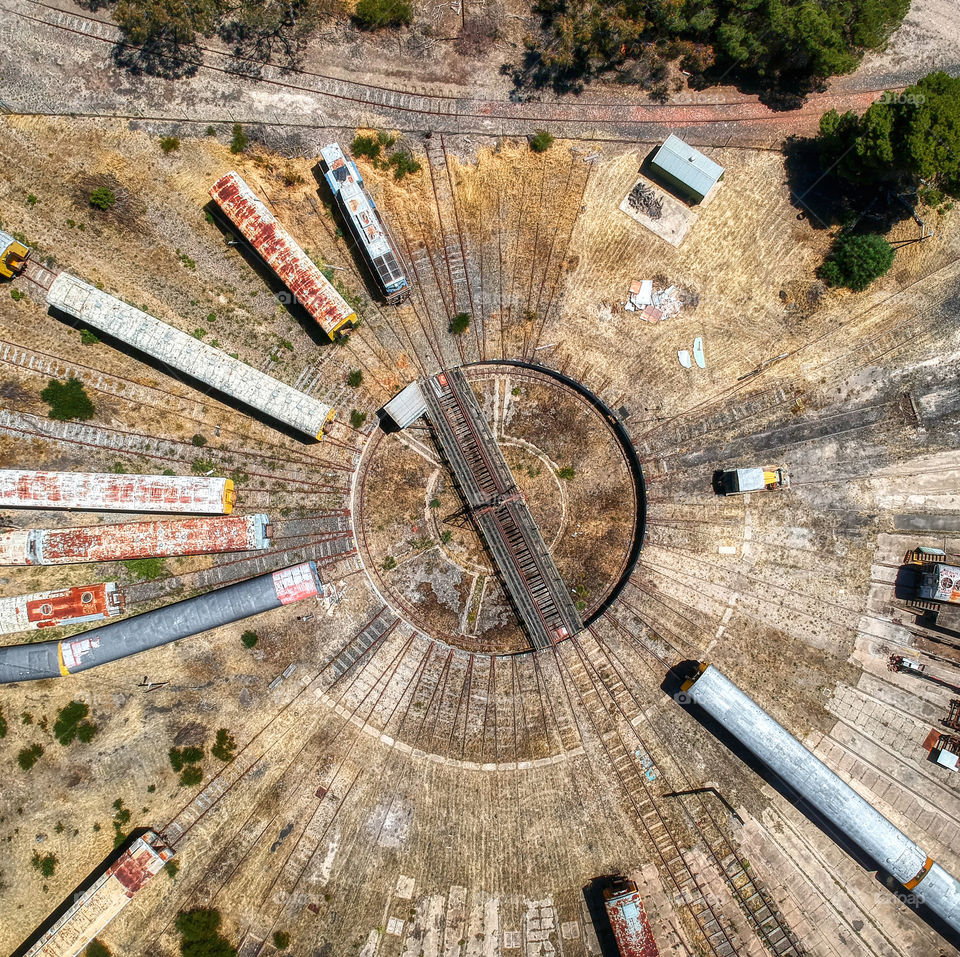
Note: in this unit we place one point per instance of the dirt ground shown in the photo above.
(395, 794)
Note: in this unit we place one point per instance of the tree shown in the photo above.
(355, 378)
(160, 36)
(932, 140)
(67, 400)
(199, 934)
(460, 323)
(47, 864)
(96, 949)
(856, 260)
(281, 939)
(249, 638)
(180, 757)
(102, 198)
(269, 30)
(377, 14)
(71, 723)
(28, 757)
(225, 746)
(357, 418)
(191, 775)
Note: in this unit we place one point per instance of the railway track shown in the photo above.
(463, 114)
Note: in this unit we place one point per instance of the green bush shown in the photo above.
(180, 757)
(32, 200)
(16, 295)
(28, 757)
(856, 260)
(377, 14)
(357, 418)
(169, 143)
(47, 864)
(403, 164)
(3, 725)
(225, 746)
(102, 198)
(199, 933)
(145, 569)
(71, 723)
(541, 141)
(567, 472)
(88, 338)
(368, 146)
(240, 140)
(192, 774)
(249, 638)
(355, 378)
(389, 562)
(281, 939)
(67, 400)
(96, 949)
(460, 323)
(172, 868)
(199, 441)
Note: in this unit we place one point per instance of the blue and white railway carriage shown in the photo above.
(368, 229)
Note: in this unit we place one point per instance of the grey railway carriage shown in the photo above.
(366, 226)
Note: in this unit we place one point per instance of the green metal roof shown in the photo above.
(690, 166)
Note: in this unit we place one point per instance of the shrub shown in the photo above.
(96, 949)
(355, 378)
(3, 725)
(541, 141)
(368, 146)
(31, 200)
(180, 757)
(357, 418)
(567, 472)
(88, 338)
(856, 260)
(169, 143)
(172, 868)
(389, 562)
(377, 14)
(199, 441)
(403, 163)
(145, 569)
(210, 131)
(193, 774)
(225, 746)
(445, 536)
(281, 939)
(249, 638)
(102, 198)
(434, 503)
(16, 295)
(28, 757)
(199, 934)
(240, 141)
(202, 466)
(47, 864)
(460, 323)
(67, 400)
(71, 723)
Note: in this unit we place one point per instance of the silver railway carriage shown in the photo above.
(849, 813)
(366, 226)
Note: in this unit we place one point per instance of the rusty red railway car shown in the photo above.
(299, 273)
(628, 920)
(64, 606)
(157, 539)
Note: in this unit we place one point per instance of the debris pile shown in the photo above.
(654, 305)
(643, 199)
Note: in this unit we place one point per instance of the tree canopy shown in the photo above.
(856, 260)
(911, 134)
(785, 46)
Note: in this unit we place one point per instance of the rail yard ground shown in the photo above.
(399, 792)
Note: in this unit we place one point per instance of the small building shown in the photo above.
(685, 169)
(13, 254)
(406, 406)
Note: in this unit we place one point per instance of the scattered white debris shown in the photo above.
(684, 358)
(654, 305)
